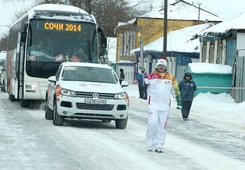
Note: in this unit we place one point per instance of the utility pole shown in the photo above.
(142, 55)
(141, 50)
(165, 33)
(199, 10)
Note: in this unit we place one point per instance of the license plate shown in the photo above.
(95, 101)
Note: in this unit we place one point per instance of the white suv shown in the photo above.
(86, 91)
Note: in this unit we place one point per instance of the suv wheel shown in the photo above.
(57, 119)
(48, 112)
(121, 123)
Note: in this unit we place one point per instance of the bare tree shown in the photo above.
(3, 40)
(107, 12)
(3, 43)
(52, 2)
(140, 8)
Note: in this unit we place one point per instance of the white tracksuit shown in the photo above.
(159, 91)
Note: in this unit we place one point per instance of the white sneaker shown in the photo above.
(158, 150)
(150, 149)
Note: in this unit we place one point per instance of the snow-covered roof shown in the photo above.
(126, 61)
(236, 23)
(59, 7)
(77, 13)
(183, 10)
(210, 68)
(180, 10)
(180, 40)
(126, 23)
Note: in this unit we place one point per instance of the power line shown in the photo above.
(4, 25)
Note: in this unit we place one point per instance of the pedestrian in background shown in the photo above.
(161, 85)
(121, 75)
(141, 84)
(187, 88)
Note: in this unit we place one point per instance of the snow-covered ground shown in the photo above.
(33, 143)
(216, 109)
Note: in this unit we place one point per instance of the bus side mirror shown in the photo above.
(103, 46)
(103, 41)
(23, 36)
(24, 32)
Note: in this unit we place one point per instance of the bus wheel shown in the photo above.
(24, 103)
(11, 97)
(57, 119)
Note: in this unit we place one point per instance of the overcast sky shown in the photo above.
(225, 8)
(8, 10)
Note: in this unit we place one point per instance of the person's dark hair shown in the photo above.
(121, 70)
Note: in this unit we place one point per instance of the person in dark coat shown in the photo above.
(141, 85)
(121, 76)
(187, 88)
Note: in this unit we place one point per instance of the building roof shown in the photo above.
(182, 40)
(180, 10)
(236, 23)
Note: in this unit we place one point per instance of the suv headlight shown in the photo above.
(119, 96)
(67, 92)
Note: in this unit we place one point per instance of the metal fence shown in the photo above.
(238, 82)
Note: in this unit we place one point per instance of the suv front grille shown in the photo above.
(90, 95)
(107, 107)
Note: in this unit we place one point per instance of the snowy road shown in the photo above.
(29, 142)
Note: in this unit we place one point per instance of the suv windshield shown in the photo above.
(91, 74)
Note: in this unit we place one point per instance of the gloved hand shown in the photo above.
(179, 107)
(179, 102)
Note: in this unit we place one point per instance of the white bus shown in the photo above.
(61, 30)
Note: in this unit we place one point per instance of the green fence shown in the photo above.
(211, 82)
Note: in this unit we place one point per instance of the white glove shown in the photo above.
(179, 107)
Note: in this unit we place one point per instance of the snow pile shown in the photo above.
(210, 68)
(215, 109)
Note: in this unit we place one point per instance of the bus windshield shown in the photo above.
(51, 42)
